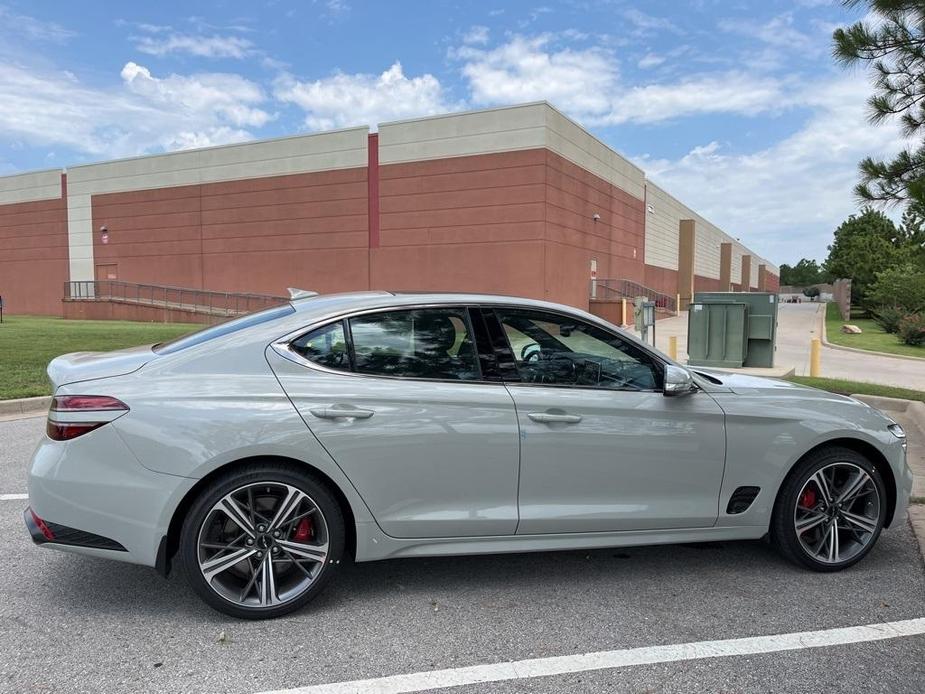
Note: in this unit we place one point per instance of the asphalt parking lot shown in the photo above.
(73, 624)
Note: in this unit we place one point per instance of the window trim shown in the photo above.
(492, 315)
(283, 346)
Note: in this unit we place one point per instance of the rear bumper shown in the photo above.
(45, 532)
(98, 500)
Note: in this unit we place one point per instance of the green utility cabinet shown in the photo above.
(732, 329)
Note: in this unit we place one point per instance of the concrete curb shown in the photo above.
(25, 406)
(826, 343)
(917, 521)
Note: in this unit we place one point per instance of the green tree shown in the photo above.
(901, 287)
(891, 43)
(864, 245)
(804, 273)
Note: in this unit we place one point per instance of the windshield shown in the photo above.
(226, 328)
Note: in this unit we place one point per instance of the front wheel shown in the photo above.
(262, 541)
(830, 511)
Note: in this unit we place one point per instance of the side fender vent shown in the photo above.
(741, 499)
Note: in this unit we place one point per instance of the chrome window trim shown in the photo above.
(283, 345)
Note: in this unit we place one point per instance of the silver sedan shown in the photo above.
(259, 454)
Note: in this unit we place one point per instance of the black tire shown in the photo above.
(783, 532)
(261, 472)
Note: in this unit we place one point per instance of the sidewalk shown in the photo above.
(797, 325)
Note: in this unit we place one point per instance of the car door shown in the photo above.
(398, 399)
(602, 448)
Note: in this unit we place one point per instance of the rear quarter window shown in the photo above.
(227, 328)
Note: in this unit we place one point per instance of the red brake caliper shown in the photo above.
(808, 498)
(303, 531)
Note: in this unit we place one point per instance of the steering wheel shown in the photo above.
(527, 355)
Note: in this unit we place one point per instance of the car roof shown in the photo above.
(375, 299)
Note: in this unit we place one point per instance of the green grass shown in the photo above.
(872, 338)
(843, 387)
(28, 343)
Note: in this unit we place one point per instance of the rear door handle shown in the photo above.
(338, 411)
(552, 417)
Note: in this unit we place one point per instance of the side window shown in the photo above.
(325, 346)
(420, 343)
(558, 350)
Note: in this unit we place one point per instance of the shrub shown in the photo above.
(888, 318)
(902, 286)
(912, 329)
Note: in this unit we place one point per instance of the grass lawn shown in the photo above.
(28, 343)
(837, 385)
(873, 338)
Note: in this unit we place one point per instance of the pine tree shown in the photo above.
(893, 46)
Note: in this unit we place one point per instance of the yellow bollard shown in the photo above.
(677, 304)
(673, 347)
(624, 313)
(815, 357)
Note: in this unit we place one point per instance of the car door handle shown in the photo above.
(552, 417)
(337, 411)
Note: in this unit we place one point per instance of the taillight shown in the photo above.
(71, 416)
(82, 403)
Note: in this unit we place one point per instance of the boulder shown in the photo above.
(851, 329)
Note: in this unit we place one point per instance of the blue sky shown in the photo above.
(735, 107)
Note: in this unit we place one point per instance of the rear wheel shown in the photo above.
(830, 511)
(262, 541)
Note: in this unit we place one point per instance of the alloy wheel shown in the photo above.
(263, 544)
(837, 513)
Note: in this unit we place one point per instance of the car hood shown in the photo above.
(87, 366)
(743, 384)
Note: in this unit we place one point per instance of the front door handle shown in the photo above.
(337, 411)
(553, 417)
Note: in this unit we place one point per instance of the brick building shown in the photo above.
(517, 200)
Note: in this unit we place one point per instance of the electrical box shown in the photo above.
(732, 329)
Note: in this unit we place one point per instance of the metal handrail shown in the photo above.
(628, 289)
(205, 301)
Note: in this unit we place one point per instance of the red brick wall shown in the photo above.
(256, 235)
(34, 259)
(574, 238)
(471, 223)
(661, 279)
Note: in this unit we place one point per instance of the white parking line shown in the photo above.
(605, 660)
(13, 497)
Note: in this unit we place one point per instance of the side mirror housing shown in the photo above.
(678, 381)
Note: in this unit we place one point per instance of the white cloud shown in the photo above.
(650, 60)
(32, 28)
(585, 83)
(228, 96)
(779, 32)
(528, 69)
(143, 114)
(476, 34)
(214, 46)
(785, 200)
(648, 24)
(343, 100)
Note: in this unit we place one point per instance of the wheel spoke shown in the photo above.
(809, 522)
(313, 552)
(217, 565)
(823, 486)
(250, 582)
(860, 522)
(834, 553)
(267, 582)
(287, 507)
(233, 510)
(853, 489)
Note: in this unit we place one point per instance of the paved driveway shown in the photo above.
(73, 624)
(797, 325)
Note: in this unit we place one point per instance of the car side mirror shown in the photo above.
(678, 381)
